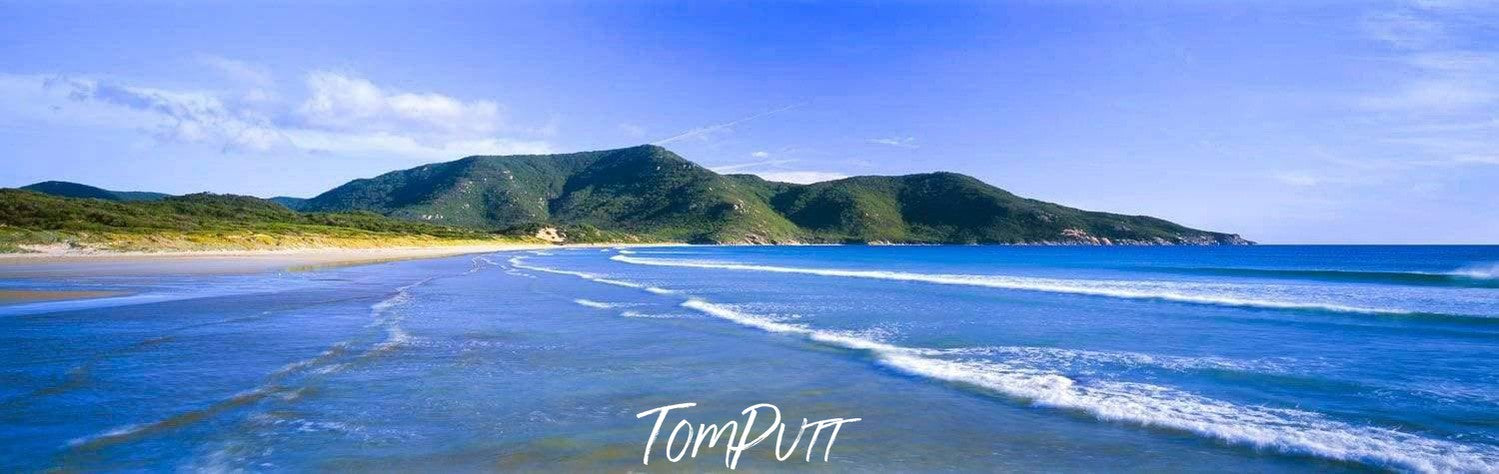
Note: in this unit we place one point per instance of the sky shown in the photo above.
(1286, 122)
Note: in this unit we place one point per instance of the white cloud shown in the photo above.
(339, 101)
(775, 170)
(800, 177)
(342, 115)
(902, 142)
(364, 144)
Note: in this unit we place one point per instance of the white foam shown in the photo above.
(637, 314)
(331, 368)
(332, 351)
(518, 273)
(1085, 360)
(594, 304)
(120, 433)
(751, 320)
(382, 316)
(519, 262)
(1170, 291)
(1284, 430)
(479, 264)
(1488, 271)
(116, 432)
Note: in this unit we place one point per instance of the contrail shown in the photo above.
(715, 127)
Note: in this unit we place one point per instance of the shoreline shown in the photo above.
(96, 262)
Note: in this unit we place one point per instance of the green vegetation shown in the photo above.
(638, 194)
(648, 193)
(953, 208)
(292, 203)
(204, 222)
(642, 194)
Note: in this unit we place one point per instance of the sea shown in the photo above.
(951, 358)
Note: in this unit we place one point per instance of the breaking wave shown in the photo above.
(1167, 291)
(1030, 375)
(594, 304)
(1288, 431)
(1487, 272)
(519, 262)
(1471, 277)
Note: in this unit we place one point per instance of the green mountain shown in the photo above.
(649, 193)
(646, 192)
(75, 190)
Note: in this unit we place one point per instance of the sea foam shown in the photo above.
(1290, 431)
(519, 262)
(1168, 291)
(1285, 430)
(1486, 271)
(594, 304)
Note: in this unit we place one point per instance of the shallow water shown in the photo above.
(1275, 358)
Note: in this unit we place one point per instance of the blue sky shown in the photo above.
(1287, 122)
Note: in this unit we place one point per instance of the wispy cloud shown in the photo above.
(1404, 29)
(1478, 159)
(1440, 107)
(744, 166)
(777, 170)
(1436, 95)
(1297, 178)
(238, 71)
(902, 142)
(186, 116)
(633, 130)
(707, 130)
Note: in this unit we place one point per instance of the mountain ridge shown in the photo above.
(651, 193)
(76, 190)
(648, 193)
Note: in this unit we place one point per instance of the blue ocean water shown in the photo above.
(1270, 358)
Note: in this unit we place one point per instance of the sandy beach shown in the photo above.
(55, 261)
(59, 261)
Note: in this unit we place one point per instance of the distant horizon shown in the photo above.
(1311, 122)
